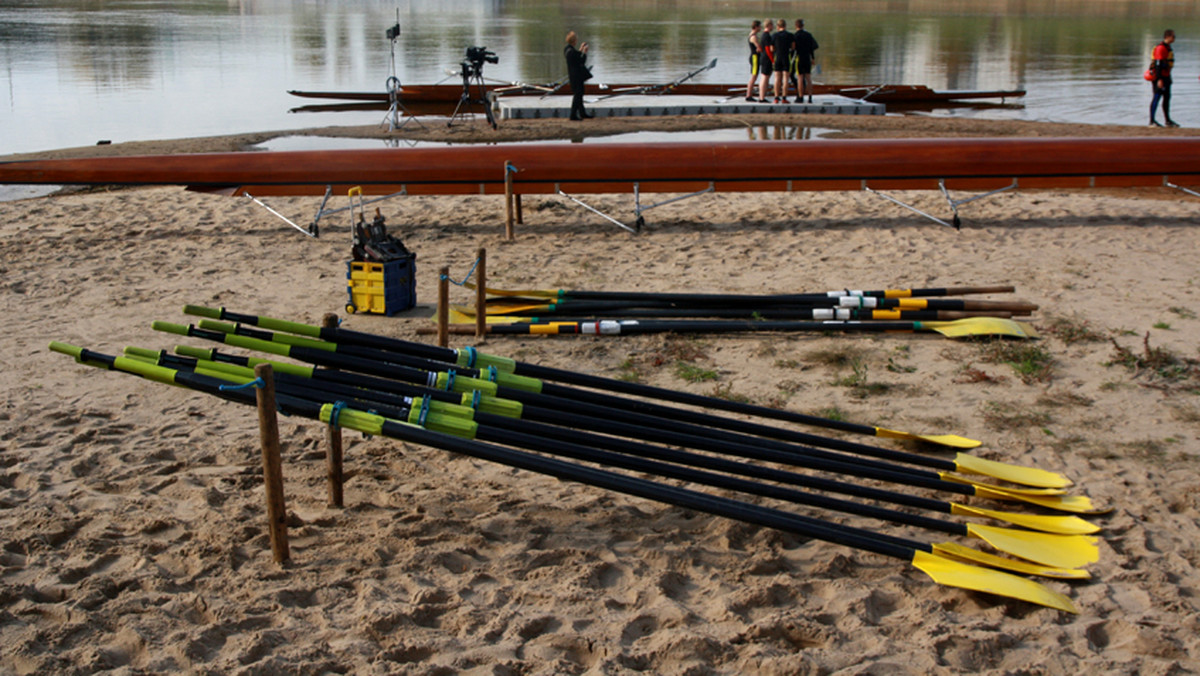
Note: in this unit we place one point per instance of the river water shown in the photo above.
(77, 72)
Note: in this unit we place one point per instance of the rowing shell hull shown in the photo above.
(748, 166)
(894, 94)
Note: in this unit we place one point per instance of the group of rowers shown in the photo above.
(774, 53)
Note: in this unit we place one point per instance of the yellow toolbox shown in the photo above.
(381, 288)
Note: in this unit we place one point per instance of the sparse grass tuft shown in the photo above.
(836, 357)
(1161, 367)
(1031, 361)
(832, 413)
(629, 372)
(725, 391)
(692, 373)
(857, 381)
(1072, 330)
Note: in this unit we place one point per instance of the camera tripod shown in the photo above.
(472, 72)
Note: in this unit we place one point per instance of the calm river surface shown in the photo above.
(75, 72)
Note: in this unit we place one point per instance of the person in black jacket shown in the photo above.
(804, 49)
(784, 43)
(577, 74)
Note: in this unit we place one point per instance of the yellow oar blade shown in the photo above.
(456, 317)
(951, 440)
(546, 293)
(982, 326)
(506, 308)
(947, 476)
(965, 576)
(1026, 476)
(1063, 525)
(1060, 551)
(959, 552)
(1075, 504)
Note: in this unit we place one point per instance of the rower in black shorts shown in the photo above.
(766, 57)
(783, 54)
(805, 53)
(752, 41)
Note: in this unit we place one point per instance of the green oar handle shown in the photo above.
(264, 322)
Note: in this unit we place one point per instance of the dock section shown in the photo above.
(535, 107)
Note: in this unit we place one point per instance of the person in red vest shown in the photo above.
(1161, 63)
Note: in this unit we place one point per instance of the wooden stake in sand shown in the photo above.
(481, 295)
(443, 308)
(333, 444)
(268, 429)
(509, 170)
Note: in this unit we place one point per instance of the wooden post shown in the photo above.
(443, 308)
(520, 218)
(333, 446)
(508, 201)
(268, 430)
(481, 296)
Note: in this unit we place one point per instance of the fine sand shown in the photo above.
(134, 526)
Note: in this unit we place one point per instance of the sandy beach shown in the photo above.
(134, 527)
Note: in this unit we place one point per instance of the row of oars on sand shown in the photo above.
(659, 444)
(568, 312)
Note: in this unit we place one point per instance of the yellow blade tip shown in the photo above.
(1026, 476)
(965, 576)
(950, 440)
(1060, 551)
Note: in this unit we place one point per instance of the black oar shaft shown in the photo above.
(763, 516)
(567, 395)
(347, 336)
(639, 457)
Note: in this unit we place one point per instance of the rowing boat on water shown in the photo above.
(547, 168)
(881, 93)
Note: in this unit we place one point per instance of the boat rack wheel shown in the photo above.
(351, 308)
(639, 223)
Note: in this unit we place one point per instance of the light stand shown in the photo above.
(396, 110)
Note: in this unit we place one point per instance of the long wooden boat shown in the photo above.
(547, 168)
(881, 93)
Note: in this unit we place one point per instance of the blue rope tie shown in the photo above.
(424, 411)
(256, 383)
(336, 412)
(475, 399)
(450, 380)
(472, 355)
(465, 279)
(493, 374)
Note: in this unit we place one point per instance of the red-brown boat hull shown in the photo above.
(917, 164)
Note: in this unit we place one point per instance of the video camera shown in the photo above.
(477, 55)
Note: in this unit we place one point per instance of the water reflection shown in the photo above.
(72, 71)
(756, 133)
